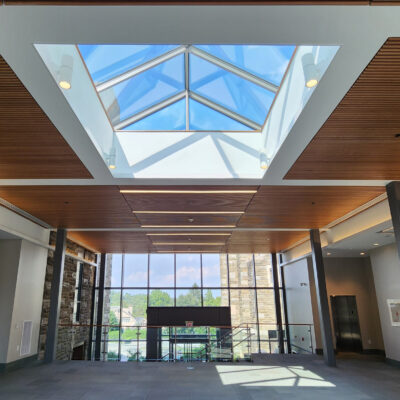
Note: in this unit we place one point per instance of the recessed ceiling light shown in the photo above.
(328, 254)
(190, 234)
(188, 212)
(310, 70)
(362, 254)
(64, 85)
(112, 166)
(376, 244)
(157, 191)
(189, 226)
(65, 72)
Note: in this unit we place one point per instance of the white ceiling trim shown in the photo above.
(360, 31)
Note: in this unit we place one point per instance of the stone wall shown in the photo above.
(244, 302)
(68, 336)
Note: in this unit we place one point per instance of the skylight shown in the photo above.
(202, 111)
(187, 87)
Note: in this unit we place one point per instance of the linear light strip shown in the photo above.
(188, 226)
(178, 191)
(189, 234)
(187, 251)
(188, 212)
(187, 244)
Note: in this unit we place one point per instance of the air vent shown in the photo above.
(26, 338)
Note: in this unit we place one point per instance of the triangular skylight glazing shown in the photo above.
(186, 88)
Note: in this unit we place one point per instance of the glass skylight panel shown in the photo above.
(203, 118)
(229, 90)
(106, 61)
(267, 62)
(170, 118)
(145, 89)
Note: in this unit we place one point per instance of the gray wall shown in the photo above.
(386, 269)
(344, 276)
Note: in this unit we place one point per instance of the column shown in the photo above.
(100, 303)
(393, 193)
(322, 298)
(55, 296)
(277, 302)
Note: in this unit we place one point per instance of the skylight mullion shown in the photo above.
(187, 84)
(148, 111)
(229, 113)
(141, 68)
(233, 69)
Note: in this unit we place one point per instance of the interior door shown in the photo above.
(346, 323)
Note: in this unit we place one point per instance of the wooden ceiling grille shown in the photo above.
(30, 145)
(361, 138)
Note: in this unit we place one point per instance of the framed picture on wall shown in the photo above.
(394, 311)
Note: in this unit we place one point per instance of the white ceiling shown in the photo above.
(362, 242)
(360, 31)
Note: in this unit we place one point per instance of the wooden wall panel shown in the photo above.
(304, 206)
(30, 145)
(361, 138)
(73, 206)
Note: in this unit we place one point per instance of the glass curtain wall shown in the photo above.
(134, 282)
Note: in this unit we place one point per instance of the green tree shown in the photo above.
(192, 298)
(113, 321)
(158, 298)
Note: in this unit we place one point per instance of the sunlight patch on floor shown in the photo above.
(270, 376)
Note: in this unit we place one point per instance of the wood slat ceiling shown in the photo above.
(73, 206)
(105, 207)
(200, 2)
(304, 206)
(361, 138)
(114, 241)
(30, 145)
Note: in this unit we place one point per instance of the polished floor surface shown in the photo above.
(272, 377)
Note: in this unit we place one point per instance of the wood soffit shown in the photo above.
(361, 138)
(104, 207)
(30, 145)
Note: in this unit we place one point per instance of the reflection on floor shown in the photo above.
(269, 377)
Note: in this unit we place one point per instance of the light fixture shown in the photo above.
(187, 251)
(111, 159)
(328, 254)
(310, 70)
(362, 254)
(190, 234)
(264, 161)
(158, 191)
(188, 212)
(65, 72)
(187, 244)
(189, 226)
(376, 244)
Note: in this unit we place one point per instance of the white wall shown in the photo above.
(299, 303)
(28, 298)
(386, 269)
(9, 259)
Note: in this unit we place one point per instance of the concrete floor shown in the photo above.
(272, 377)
